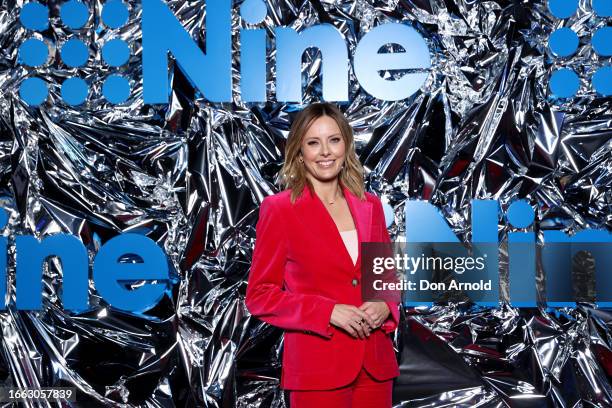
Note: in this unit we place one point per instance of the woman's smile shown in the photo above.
(326, 164)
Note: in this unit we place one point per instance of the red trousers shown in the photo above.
(363, 392)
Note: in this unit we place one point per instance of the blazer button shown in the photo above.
(355, 282)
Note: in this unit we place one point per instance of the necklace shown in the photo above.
(335, 198)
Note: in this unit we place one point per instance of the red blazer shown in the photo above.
(300, 270)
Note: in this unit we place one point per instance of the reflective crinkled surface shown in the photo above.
(191, 175)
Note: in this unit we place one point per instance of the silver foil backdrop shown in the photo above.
(190, 175)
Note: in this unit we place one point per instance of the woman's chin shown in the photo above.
(326, 176)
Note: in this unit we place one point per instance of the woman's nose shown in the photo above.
(324, 149)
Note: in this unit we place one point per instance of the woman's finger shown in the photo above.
(367, 329)
(350, 330)
(365, 316)
(358, 328)
(372, 312)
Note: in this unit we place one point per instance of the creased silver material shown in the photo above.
(191, 175)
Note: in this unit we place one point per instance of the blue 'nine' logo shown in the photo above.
(556, 250)
(130, 271)
(210, 73)
(564, 43)
(74, 52)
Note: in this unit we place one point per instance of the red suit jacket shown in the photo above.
(300, 270)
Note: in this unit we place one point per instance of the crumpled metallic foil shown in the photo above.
(191, 175)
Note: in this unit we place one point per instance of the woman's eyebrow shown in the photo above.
(319, 137)
(312, 138)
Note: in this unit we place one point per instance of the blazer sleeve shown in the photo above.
(266, 297)
(392, 321)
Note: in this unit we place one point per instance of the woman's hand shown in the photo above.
(352, 319)
(377, 311)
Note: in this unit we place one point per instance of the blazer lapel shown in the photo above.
(362, 216)
(315, 219)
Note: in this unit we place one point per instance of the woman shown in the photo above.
(305, 275)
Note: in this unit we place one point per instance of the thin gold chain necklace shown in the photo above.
(335, 197)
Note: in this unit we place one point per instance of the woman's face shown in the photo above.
(323, 149)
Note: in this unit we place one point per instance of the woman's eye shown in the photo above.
(312, 142)
(336, 139)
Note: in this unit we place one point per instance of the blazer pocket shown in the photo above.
(383, 349)
(307, 353)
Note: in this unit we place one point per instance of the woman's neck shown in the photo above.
(328, 192)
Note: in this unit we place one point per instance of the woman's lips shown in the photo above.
(326, 164)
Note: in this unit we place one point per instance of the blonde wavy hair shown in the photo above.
(293, 173)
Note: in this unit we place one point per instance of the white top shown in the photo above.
(350, 241)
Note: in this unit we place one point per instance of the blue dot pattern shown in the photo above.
(33, 91)
(33, 52)
(74, 91)
(116, 89)
(603, 8)
(34, 16)
(253, 11)
(74, 53)
(115, 14)
(520, 214)
(602, 41)
(74, 14)
(564, 83)
(115, 52)
(563, 8)
(602, 81)
(563, 43)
